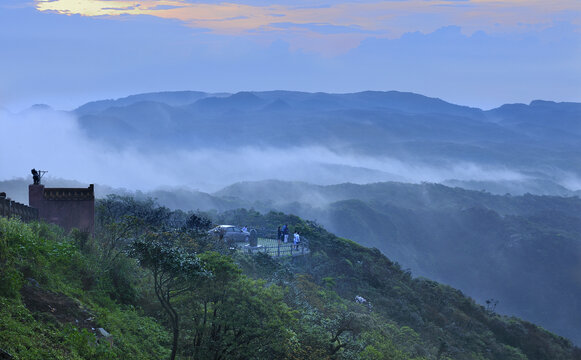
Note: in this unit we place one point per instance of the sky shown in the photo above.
(480, 53)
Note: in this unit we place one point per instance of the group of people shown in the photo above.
(283, 236)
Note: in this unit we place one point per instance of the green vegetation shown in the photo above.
(520, 250)
(173, 272)
(52, 297)
(161, 288)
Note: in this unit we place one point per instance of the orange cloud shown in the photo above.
(385, 19)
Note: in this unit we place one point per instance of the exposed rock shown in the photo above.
(103, 332)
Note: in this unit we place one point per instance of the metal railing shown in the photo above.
(275, 248)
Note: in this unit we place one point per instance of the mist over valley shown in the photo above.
(359, 137)
(305, 153)
(207, 141)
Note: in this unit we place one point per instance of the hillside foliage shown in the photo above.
(58, 291)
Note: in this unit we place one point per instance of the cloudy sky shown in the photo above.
(473, 52)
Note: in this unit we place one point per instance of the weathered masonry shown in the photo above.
(66, 207)
(9, 208)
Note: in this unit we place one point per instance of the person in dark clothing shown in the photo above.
(279, 235)
(285, 233)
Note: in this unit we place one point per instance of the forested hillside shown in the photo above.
(71, 296)
(524, 251)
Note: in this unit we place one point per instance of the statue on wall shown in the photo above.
(35, 176)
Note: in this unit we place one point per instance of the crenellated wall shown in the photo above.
(9, 208)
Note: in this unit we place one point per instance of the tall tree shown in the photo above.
(174, 272)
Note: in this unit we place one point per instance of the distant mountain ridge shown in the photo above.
(174, 98)
(539, 140)
(190, 108)
(402, 101)
(396, 100)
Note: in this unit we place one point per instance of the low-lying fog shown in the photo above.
(50, 140)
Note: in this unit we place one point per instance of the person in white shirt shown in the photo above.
(297, 239)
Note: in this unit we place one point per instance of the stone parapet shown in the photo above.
(10, 208)
(72, 194)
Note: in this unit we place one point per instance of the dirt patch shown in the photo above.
(62, 308)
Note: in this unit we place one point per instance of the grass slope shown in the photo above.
(56, 291)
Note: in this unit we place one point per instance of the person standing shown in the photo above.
(297, 239)
(279, 235)
(285, 233)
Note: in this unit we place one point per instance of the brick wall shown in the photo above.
(67, 207)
